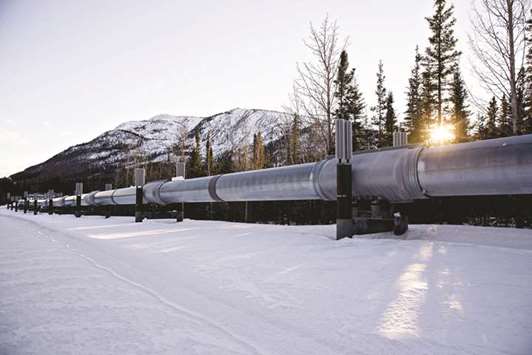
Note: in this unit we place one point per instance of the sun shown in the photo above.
(441, 134)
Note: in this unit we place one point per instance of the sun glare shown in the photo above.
(441, 134)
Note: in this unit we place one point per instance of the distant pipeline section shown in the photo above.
(496, 167)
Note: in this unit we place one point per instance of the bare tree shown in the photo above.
(315, 83)
(498, 42)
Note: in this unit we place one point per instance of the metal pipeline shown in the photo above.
(500, 166)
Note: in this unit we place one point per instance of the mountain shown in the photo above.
(150, 141)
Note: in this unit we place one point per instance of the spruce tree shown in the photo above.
(258, 151)
(505, 125)
(209, 161)
(357, 111)
(413, 114)
(482, 132)
(344, 77)
(442, 53)
(427, 105)
(350, 102)
(459, 107)
(521, 101)
(293, 143)
(491, 119)
(380, 108)
(390, 121)
(255, 152)
(195, 167)
(224, 162)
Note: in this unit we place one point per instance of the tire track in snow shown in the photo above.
(177, 308)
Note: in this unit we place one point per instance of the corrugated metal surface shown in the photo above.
(388, 174)
(285, 183)
(151, 192)
(59, 201)
(192, 190)
(492, 167)
(104, 198)
(124, 196)
(70, 201)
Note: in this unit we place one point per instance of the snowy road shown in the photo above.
(96, 286)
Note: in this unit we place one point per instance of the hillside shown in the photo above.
(153, 140)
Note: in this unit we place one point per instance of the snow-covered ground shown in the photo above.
(97, 286)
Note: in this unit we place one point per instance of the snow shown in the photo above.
(109, 286)
(235, 128)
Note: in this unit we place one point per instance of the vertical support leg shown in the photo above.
(180, 209)
(35, 207)
(51, 207)
(77, 213)
(344, 213)
(139, 216)
(16, 206)
(26, 205)
(108, 210)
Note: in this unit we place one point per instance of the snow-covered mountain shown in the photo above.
(153, 139)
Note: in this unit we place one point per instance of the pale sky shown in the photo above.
(70, 70)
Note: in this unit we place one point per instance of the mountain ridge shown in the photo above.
(153, 139)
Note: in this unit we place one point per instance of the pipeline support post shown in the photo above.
(35, 207)
(50, 202)
(344, 184)
(180, 173)
(140, 180)
(79, 192)
(26, 203)
(108, 209)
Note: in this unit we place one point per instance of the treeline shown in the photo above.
(436, 93)
(200, 160)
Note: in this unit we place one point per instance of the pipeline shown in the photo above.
(493, 167)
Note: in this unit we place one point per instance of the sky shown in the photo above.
(71, 70)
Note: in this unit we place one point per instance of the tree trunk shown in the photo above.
(513, 89)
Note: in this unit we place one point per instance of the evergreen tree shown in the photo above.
(224, 162)
(459, 107)
(390, 121)
(491, 119)
(521, 101)
(427, 106)
(258, 151)
(482, 132)
(209, 161)
(505, 119)
(343, 80)
(195, 167)
(442, 53)
(350, 102)
(380, 108)
(293, 141)
(413, 114)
